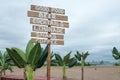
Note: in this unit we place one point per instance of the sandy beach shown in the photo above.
(90, 73)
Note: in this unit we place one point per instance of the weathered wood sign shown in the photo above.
(49, 27)
(47, 41)
(43, 17)
(47, 16)
(45, 35)
(47, 9)
(49, 22)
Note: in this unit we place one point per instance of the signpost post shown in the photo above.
(49, 27)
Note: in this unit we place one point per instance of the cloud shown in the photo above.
(94, 25)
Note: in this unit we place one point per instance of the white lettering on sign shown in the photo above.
(51, 36)
(41, 8)
(48, 22)
(44, 15)
(46, 41)
(57, 11)
(46, 35)
(47, 16)
(48, 29)
(51, 16)
(39, 21)
(47, 9)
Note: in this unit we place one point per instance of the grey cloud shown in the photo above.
(94, 25)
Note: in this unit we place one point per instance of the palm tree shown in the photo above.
(33, 58)
(116, 54)
(5, 63)
(82, 57)
(65, 61)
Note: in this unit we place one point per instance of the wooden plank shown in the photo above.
(47, 16)
(46, 41)
(46, 35)
(48, 29)
(49, 22)
(47, 9)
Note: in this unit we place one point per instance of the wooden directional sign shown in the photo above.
(45, 35)
(47, 9)
(47, 16)
(48, 29)
(49, 22)
(46, 41)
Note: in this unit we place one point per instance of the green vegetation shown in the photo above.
(116, 55)
(65, 61)
(81, 58)
(33, 58)
(5, 63)
(53, 63)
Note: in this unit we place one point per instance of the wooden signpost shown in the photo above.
(49, 27)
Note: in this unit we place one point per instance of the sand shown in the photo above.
(90, 73)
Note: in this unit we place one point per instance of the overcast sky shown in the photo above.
(94, 26)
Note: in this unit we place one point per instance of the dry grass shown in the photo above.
(91, 73)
